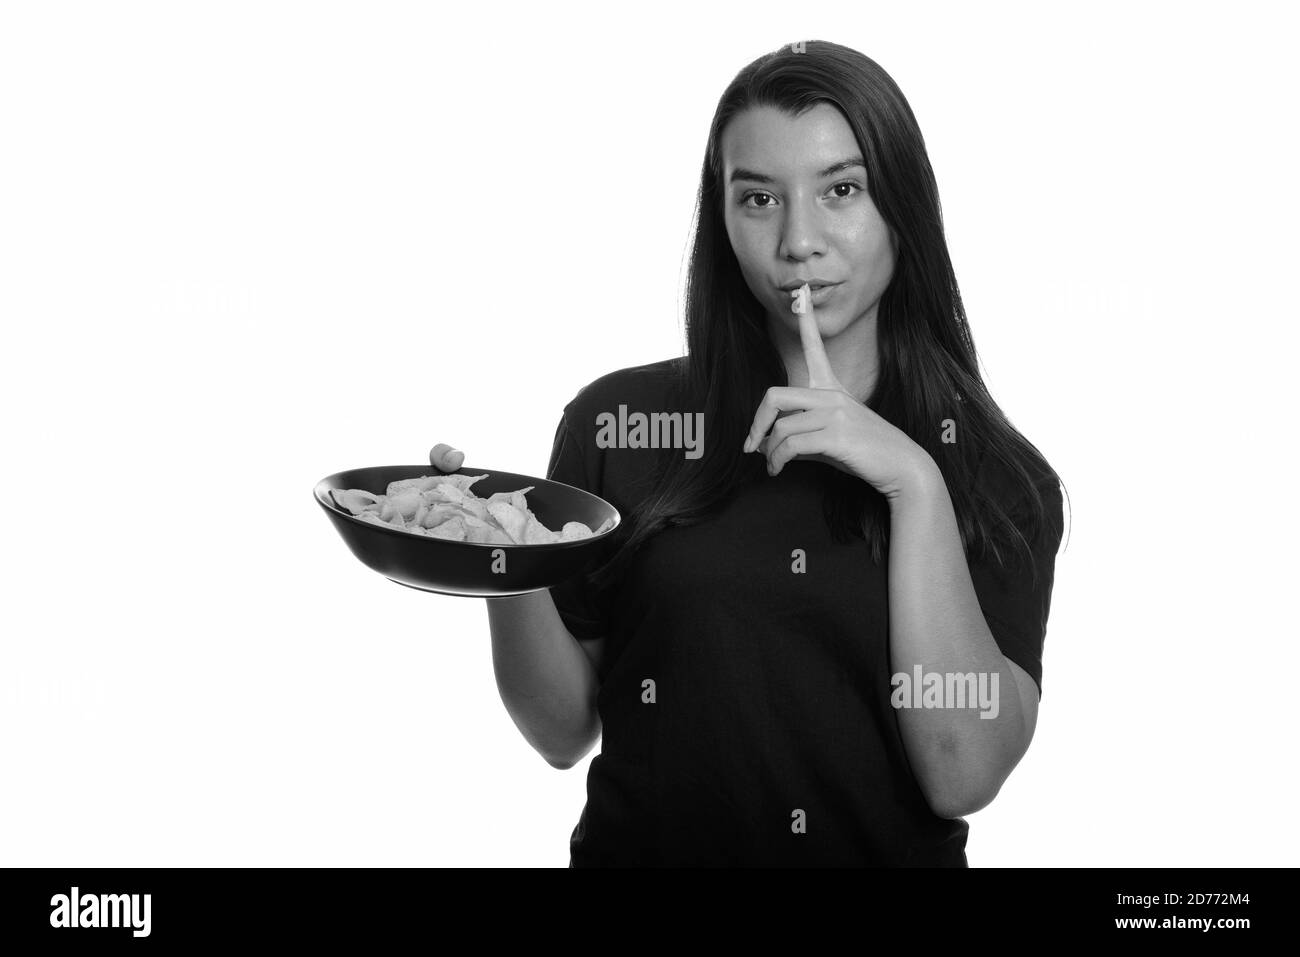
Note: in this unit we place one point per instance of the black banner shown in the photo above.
(171, 906)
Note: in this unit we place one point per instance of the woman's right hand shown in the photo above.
(446, 459)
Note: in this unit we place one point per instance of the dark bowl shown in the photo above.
(467, 568)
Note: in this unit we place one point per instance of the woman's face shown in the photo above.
(793, 211)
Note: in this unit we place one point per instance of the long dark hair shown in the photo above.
(928, 370)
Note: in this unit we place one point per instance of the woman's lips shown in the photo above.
(814, 283)
(821, 294)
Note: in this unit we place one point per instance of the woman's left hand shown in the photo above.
(828, 425)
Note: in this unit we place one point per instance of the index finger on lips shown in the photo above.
(820, 374)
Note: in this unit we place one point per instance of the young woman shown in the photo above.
(816, 639)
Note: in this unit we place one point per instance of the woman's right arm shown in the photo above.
(546, 678)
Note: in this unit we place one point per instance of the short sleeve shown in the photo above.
(572, 598)
(1015, 599)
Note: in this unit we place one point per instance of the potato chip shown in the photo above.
(412, 485)
(462, 482)
(437, 514)
(535, 533)
(477, 530)
(394, 521)
(573, 530)
(452, 529)
(406, 503)
(511, 519)
(515, 498)
(466, 500)
(355, 500)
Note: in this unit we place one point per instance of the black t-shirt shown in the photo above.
(771, 690)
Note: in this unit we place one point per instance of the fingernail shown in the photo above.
(748, 439)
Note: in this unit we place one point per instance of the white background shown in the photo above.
(246, 245)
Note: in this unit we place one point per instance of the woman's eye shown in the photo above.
(744, 200)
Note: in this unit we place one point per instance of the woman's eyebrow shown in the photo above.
(740, 172)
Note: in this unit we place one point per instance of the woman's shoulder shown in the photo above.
(610, 422)
(1035, 510)
(651, 387)
(1002, 476)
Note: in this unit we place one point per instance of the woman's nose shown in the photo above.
(802, 233)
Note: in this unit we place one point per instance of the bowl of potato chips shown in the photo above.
(473, 532)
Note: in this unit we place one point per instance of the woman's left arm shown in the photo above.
(960, 755)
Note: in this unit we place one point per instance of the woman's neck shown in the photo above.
(853, 352)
